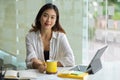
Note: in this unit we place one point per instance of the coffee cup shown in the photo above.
(51, 67)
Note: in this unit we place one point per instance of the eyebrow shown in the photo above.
(48, 14)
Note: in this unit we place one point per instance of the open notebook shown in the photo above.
(95, 64)
(21, 74)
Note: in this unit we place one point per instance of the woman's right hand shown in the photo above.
(38, 64)
(42, 67)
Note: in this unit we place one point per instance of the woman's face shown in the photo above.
(48, 19)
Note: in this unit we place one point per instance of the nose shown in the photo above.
(48, 19)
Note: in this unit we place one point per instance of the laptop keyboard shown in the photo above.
(82, 68)
(79, 68)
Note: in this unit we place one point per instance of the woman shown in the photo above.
(47, 40)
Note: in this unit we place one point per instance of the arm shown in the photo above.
(32, 60)
(30, 51)
(67, 58)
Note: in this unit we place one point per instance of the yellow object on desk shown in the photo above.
(73, 74)
(51, 67)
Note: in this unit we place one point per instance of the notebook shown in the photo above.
(95, 64)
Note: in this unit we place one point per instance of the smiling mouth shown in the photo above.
(47, 24)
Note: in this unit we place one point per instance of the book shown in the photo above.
(22, 74)
(73, 74)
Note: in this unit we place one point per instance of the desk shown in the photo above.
(42, 76)
(110, 71)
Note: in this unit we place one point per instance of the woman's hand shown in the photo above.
(38, 64)
(59, 64)
(42, 67)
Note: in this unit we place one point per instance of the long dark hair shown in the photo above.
(56, 27)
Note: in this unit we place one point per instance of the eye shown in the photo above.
(53, 17)
(45, 15)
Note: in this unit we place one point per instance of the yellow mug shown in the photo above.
(51, 67)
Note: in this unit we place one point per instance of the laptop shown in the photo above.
(95, 64)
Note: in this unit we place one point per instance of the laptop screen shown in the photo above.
(95, 63)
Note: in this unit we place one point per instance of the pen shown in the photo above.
(4, 72)
(1, 75)
(18, 74)
(0, 71)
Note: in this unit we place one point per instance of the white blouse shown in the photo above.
(60, 49)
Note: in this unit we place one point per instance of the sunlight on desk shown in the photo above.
(110, 71)
(42, 76)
